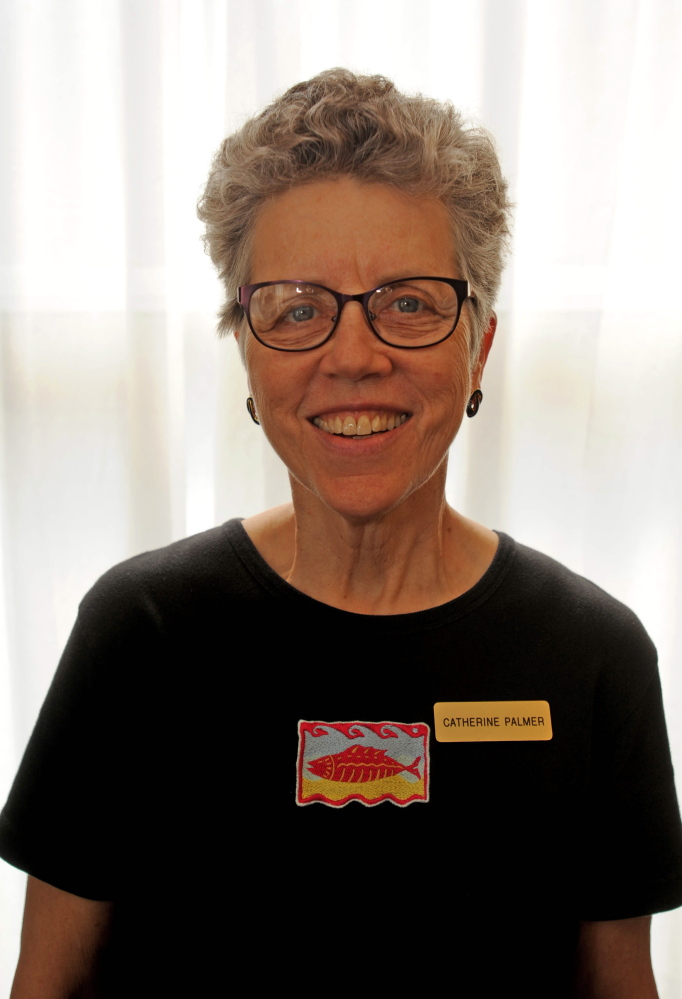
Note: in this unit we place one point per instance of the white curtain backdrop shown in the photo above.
(122, 417)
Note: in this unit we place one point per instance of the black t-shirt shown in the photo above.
(252, 777)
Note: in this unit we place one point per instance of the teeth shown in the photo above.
(364, 426)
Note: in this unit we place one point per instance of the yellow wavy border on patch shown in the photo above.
(372, 790)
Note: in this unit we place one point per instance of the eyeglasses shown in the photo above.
(410, 313)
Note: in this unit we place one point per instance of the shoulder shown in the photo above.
(569, 597)
(154, 585)
(181, 559)
(575, 624)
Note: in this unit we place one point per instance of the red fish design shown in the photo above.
(358, 764)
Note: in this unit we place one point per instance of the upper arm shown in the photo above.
(61, 938)
(614, 960)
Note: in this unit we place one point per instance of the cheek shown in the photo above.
(261, 371)
(452, 377)
(277, 383)
(449, 385)
(271, 401)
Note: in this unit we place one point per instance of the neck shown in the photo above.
(418, 555)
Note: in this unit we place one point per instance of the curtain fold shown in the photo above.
(122, 418)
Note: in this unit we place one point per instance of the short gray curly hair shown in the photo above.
(339, 123)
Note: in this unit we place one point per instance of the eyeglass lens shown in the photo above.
(412, 313)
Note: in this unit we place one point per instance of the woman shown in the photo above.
(359, 733)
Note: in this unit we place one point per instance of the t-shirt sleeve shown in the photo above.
(59, 822)
(633, 838)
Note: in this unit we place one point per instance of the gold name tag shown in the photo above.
(492, 721)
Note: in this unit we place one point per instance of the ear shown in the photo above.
(486, 344)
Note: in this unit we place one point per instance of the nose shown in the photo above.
(354, 352)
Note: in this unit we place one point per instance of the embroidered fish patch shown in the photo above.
(359, 764)
(340, 762)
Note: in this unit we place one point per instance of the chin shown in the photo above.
(361, 499)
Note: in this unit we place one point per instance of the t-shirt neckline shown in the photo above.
(437, 616)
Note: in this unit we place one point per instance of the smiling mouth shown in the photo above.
(363, 425)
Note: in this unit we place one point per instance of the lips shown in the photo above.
(360, 423)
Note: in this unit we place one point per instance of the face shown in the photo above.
(353, 236)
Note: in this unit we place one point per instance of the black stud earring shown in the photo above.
(474, 403)
(251, 406)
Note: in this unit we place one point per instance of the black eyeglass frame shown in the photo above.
(462, 290)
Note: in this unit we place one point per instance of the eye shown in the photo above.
(407, 304)
(302, 313)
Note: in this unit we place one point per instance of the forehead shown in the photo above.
(344, 231)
